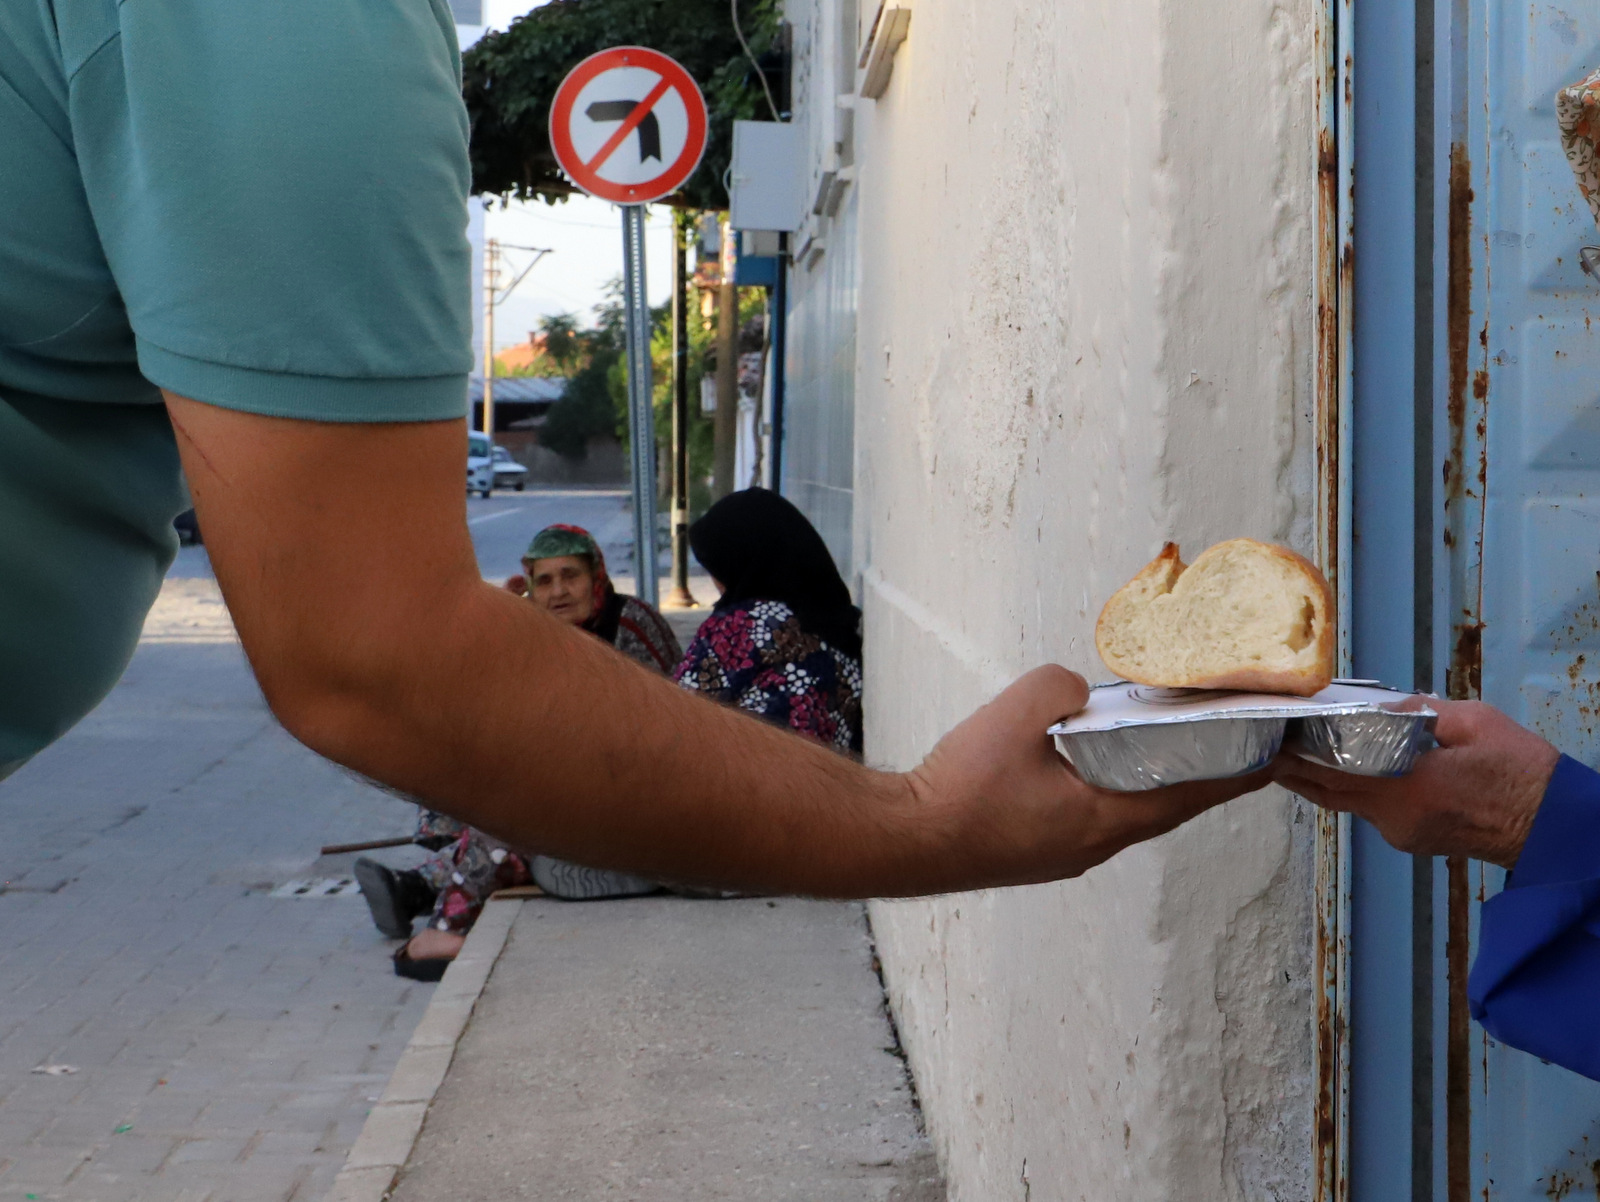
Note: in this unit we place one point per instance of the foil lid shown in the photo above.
(1132, 737)
(1114, 706)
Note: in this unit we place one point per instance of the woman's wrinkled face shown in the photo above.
(563, 584)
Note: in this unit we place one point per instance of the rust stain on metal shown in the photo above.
(1466, 410)
(1458, 317)
(1327, 1106)
(1334, 265)
(1327, 349)
(1468, 390)
(1458, 1058)
(1579, 1179)
(1466, 660)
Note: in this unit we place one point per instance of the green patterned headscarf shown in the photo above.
(555, 541)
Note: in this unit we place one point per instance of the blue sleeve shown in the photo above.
(1536, 983)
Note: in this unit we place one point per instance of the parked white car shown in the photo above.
(508, 473)
(480, 464)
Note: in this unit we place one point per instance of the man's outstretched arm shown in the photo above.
(342, 550)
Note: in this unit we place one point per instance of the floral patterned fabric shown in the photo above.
(754, 655)
(1578, 114)
(436, 831)
(466, 874)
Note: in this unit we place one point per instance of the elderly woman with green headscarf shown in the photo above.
(565, 574)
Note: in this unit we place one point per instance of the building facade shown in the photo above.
(1052, 305)
(1077, 279)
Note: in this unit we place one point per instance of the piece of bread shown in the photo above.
(1246, 615)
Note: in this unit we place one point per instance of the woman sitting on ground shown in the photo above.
(784, 640)
(565, 574)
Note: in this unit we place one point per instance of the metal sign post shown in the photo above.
(641, 413)
(629, 125)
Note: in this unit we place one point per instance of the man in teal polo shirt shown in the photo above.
(232, 238)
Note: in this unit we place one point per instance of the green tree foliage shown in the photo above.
(588, 356)
(562, 340)
(596, 399)
(510, 78)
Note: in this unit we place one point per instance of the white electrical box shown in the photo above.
(759, 244)
(766, 184)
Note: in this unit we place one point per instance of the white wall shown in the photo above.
(1083, 327)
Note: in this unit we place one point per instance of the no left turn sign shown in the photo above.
(628, 125)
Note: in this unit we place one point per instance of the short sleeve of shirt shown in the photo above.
(280, 191)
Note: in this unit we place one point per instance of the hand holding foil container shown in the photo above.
(1132, 737)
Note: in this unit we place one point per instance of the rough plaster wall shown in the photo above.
(1084, 328)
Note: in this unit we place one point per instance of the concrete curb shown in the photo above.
(392, 1126)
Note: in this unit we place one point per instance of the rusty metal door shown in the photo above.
(1459, 503)
(1522, 523)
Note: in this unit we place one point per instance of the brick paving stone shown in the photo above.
(170, 813)
(166, 818)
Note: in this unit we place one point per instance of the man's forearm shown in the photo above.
(555, 743)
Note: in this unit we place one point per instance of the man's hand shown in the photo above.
(1018, 805)
(343, 553)
(1476, 796)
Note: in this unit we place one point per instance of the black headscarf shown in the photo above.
(761, 548)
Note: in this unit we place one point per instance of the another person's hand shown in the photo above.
(999, 785)
(1476, 796)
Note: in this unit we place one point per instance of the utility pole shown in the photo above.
(491, 258)
(681, 596)
(725, 430)
(493, 294)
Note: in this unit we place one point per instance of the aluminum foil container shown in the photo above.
(1135, 737)
(1366, 743)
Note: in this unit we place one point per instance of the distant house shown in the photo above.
(520, 402)
(524, 355)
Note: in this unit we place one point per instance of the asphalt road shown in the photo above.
(502, 526)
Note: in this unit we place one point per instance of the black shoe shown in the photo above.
(430, 969)
(573, 882)
(394, 898)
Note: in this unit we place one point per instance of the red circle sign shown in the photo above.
(628, 125)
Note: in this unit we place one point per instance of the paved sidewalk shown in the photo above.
(660, 1050)
(225, 1043)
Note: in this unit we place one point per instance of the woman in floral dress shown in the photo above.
(784, 640)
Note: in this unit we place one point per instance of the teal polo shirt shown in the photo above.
(259, 205)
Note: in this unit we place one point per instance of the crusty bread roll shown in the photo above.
(1246, 615)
